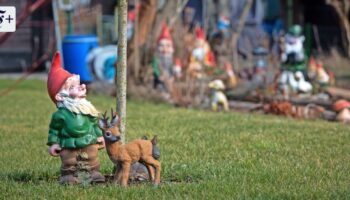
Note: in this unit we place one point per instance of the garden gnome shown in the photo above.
(132, 14)
(177, 69)
(293, 60)
(312, 68)
(322, 76)
(74, 134)
(163, 61)
(294, 45)
(201, 57)
(342, 109)
(232, 79)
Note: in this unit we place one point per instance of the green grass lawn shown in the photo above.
(205, 155)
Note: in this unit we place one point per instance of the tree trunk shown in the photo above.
(136, 45)
(147, 15)
(342, 9)
(143, 27)
(238, 31)
(162, 16)
(121, 66)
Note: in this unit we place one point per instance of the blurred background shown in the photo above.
(184, 51)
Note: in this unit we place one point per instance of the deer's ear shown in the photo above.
(115, 120)
(101, 124)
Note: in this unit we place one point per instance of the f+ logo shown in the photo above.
(7, 19)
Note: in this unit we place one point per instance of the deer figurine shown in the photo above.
(123, 155)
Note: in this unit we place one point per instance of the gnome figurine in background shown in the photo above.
(202, 57)
(74, 134)
(162, 63)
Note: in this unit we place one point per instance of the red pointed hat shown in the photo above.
(178, 62)
(131, 15)
(57, 76)
(165, 34)
(319, 65)
(312, 60)
(200, 33)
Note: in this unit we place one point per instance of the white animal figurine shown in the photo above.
(300, 85)
(217, 95)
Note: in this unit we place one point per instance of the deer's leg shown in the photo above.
(150, 170)
(125, 173)
(156, 164)
(114, 171)
(117, 172)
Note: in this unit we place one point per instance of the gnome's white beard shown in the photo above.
(78, 106)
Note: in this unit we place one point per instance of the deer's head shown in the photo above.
(110, 128)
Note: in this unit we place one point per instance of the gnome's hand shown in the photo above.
(54, 150)
(101, 142)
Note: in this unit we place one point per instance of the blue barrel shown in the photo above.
(75, 49)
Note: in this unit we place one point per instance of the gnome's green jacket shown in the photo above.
(71, 130)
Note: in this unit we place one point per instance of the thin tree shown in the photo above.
(121, 66)
(342, 7)
(237, 32)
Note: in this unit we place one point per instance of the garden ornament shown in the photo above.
(177, 69)
(293, 47)
(224, 24)
(310, 111)
(301, 85)
(275, 107)
(312, 68)
(295, 30)
(123, 155)
(285, 108)
(322, 77)
(291, 83)
(165, 51)
(341, 107)
(162, 62)
(217, 96)
(232, 79)
(201, 57)
(73, 131)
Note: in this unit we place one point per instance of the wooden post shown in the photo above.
(121, 66)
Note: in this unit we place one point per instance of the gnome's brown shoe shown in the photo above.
(68, 180)
(97, 177)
